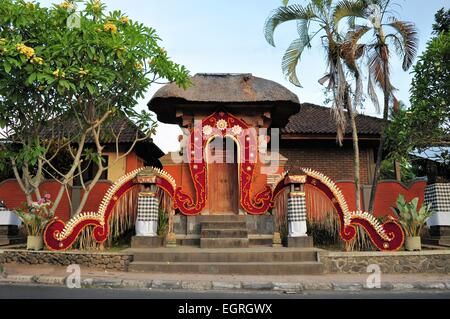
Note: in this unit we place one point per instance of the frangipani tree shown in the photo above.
(70, 73)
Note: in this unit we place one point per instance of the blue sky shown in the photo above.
(226, 36)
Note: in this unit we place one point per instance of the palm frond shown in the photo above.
(303, 32)
(348, 9)
(372, 93)
(409, 40)
(379, 67)
(284, 14)
(396, 43)
(290, 60)
(350, 49)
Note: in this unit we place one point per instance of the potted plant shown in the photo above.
(35, 218)
(412, 220)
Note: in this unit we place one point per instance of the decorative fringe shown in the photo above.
(318, 205)
(281, 213)
(121, 220)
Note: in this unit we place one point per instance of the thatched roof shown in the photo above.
(235, 92)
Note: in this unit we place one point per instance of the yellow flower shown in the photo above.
(41, 88)
(110, 27)
(3, 50)
(66, 5)
(37, 60)
(138, 66)
(59, 74)
(83, 72)
(124, 20)
(97, 5)
(2, 41)
(27, 51)
(30, 5)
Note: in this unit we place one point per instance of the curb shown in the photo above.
(289, 287)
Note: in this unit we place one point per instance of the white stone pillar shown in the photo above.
(147, 214)
(296, 214)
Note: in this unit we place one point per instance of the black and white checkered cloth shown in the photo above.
(147, 208)
(438, 195)
(296, 209)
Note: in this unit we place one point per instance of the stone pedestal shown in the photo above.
(146, 242)
(440, 231)
(299, 242)
(438, 195)
(439, 236)
(9, 235)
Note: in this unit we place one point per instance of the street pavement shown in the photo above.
(17, 291)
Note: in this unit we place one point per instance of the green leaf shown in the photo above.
(290, 60)
(7, 67)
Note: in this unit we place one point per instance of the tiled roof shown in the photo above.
(315, 119)
(122, 124)
(118, 124)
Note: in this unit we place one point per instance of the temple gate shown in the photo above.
(224, 182)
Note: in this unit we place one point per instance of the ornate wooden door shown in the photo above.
(223, 186)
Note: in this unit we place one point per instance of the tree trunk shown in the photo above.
(376, 174)
(397, 171)
(355, 139)
(356, 161)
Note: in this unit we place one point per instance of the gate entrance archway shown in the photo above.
(223, 183)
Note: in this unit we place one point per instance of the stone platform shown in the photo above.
(439, 236)
(242, 261)
(146, 242)
(303, 242)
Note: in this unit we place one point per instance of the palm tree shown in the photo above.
(388, 32)
(325, 17)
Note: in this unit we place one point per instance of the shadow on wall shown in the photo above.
(386, 196)
(14, 198)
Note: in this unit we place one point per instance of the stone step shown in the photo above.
(222, 218)
(260, 241)
(188, 242)
(219, 256)
(224, 233)
(223, 242)
(224, 225)
(248, 268)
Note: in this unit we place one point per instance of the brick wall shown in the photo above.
(326, 157)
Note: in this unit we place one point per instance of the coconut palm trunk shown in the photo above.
(384, 125)
(356, 161)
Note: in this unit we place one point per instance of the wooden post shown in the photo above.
(171, 240)
(398, 171)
